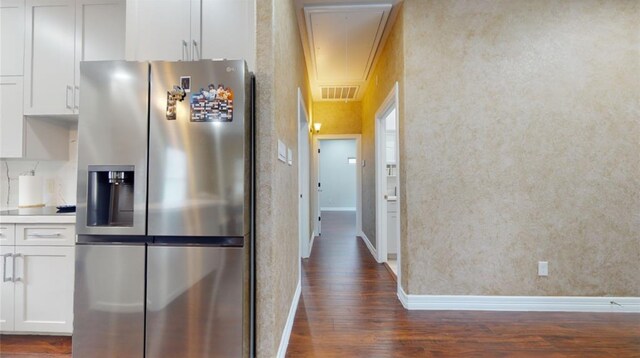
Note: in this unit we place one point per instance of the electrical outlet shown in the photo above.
(543, 268)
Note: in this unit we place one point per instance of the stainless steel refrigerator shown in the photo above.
(164, 254)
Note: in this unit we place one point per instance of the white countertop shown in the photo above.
(46, 215)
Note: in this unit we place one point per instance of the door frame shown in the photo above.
(391, 102)
(303, 178)
(316, 176)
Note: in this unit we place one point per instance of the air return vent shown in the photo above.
(338, 93)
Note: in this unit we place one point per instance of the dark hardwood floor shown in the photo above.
(20, 346)
(349, 308)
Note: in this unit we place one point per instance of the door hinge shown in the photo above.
(319, 218)
(318, 150)
(300, 196)
(319, 185)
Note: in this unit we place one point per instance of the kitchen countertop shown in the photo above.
(46, 215)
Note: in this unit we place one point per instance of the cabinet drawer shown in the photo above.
(45, 234)
(7, 234)
(392, 206)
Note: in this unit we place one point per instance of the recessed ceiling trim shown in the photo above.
(372, 19)
(368, 34)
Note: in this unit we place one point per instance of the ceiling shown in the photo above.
(342, 41)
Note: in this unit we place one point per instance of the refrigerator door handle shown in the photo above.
(4, 268)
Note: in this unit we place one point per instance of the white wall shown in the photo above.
(337, 176)
(59, 178)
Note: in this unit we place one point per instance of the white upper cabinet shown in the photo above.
(49, 57)
(100, 35)
(159, 30)
(60, 34)
(11, 120)
(228, 30)
(191, 30)
(11, 37)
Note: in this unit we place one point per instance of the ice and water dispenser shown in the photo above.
(110, 195)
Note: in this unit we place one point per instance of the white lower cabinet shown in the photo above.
(43, 298)
(37, 288)
(6, 289)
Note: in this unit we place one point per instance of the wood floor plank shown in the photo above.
(349, 308)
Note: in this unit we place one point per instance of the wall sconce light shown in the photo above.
(317, 126)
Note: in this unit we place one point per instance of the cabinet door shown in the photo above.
(6, 289)
(7, 234)
(11, 37)
(44, 289)
(392, 239)
(100, 34)
(228, 30)
(49, 64)
(159, 30)
(11, 119)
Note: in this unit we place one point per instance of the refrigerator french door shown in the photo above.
(164, 246)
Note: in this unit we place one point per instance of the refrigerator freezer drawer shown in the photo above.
(109, 301)
(194, 302)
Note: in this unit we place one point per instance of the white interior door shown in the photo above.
(319, 188)
(44, 288)
(303, 181)
(6, 289)
(49, 60)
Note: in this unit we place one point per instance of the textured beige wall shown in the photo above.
(388, 71)
(280, 70)
(521, 131)
(338, 117)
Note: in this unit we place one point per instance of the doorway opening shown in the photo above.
(388, 182)
(338, 182)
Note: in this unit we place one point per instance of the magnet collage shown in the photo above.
(212, 104)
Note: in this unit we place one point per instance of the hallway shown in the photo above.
(349, 308)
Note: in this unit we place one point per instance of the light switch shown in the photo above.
(282, 151)
(543, 268)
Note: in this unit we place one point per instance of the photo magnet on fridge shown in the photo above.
(185, 83)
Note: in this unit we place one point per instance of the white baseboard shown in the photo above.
(286, 333)
(519, 303)
(372, 249)
(311, 240)
(338, 208)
